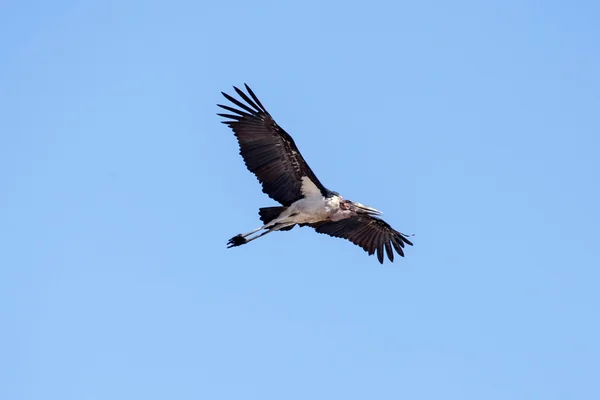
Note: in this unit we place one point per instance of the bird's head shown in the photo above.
(359, 208)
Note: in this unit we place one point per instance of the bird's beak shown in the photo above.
(367, 210)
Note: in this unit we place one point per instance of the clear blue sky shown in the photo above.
(474, 125)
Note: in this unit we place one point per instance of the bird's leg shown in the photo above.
(241, 239)
(271, 229)
(251, 232)
(257, 236)
(269, 225)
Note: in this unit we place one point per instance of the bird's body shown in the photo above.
(271, 154)
(312, 209)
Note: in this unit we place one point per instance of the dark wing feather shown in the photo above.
(370, 233)
(268, 151)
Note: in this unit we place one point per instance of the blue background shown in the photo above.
(472, 124)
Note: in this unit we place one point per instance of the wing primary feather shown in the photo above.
(404, 238)
(370, 240)
(246, 98)
(398, 246)
(375, 239)
(380, 254)
(235, 117)
(399, 240)
(239, 103)
(255, 98)
(235, 110)
(389, 251)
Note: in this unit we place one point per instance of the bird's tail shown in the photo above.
(268, 214)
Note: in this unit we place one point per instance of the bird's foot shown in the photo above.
(236, 241)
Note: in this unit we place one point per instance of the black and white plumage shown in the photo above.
(271, 154)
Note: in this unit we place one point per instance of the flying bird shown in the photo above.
(270, 153)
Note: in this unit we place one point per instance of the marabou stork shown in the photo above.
(271, 154)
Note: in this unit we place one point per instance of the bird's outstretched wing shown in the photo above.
(370, 233)
(268, 151)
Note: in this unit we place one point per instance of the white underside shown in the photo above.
(310, 209)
